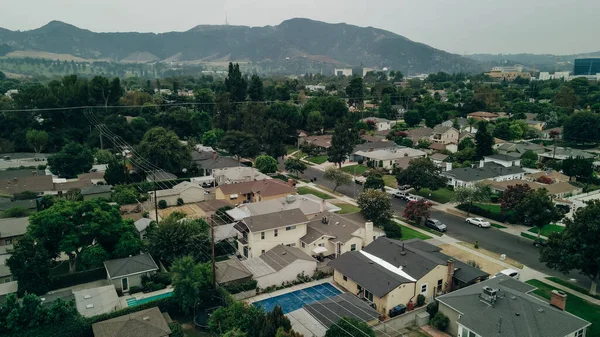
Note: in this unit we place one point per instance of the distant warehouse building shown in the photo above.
(587, 66)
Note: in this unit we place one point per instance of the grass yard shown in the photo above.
(358, 169)
(442, 196)
(291, 149)
(497, 225)
(347, 208)
(308, 190)
(299, 155)
(547, 230)
(571, 286)
(409, 233)
(575, 305)
(317, 160)
(494, 208)
(529, 236)
(390, 181)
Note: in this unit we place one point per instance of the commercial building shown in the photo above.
(587, 66)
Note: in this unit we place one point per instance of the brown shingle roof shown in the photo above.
(483, 114)
(35, 184)
(145, 323)
(268, 187)
(79, 184)
(321, 141)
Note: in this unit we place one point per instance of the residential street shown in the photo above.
(517, 248)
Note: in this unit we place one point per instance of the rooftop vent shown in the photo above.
(488, 294)
(147, 318)
(89, 306)
(87, 297)
(337, 223)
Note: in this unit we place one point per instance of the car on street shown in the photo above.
(540, 243)
(404, 187)
(509, 272)
(360, 180)
(401, 195)
(478, 222)
(436, 225)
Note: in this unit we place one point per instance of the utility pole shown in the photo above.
(155, 201)
(212, 235)
(101, 142)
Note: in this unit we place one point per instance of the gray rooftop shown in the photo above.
(521, 314)
(27, 204)
(504, 157)
(145, 323)
(96, 301)
(142, 224)
(329, 310)
(96, 189)
(308, 204)
(130, 266)
(13, 227)
(375, 146)
(259, 223)
(490, 170)
(24, 173)
(339, 228)
(65, 295)
(282, 256)
(231, 270)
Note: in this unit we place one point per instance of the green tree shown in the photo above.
(275, 320)
(294, 165)
(385, 108)
(192, 283)
(235, 84)
(374, 181)
(333, 109)
(466, 143)
(579, 167)
(212, 137)
(103, 157)
(71, 160)
(240, 144)
(421, 173)
(417, 210)
(529, 159)
(412, 118)
(237, 315)
(256, 91)
(537, 209)
(513, 195)
(73, 194)
(582, 127)
(355, 92)
(471, 122)
(577, 248)
(350, 327)
(484, 141)
(566, 98)
(342, 143)
(266, 164)
(30, 264)
(273, 135)
(163, 149)
(36, 139)
(15, 212)
(337, 176)
(479, 192)
(314, 121)
(93, 257)
(376, 206)
(115, 172)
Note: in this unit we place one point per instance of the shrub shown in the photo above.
(440, 321)
(476, 245)
(361, 161)
(25, 195)
(392, 229)
(176, 330)
(68, 280)
(432, 308)
(162, 278)
(474, 263)
(135, 289)
(179, 202)
(41, 167)
(162, 204)
(420, 300)
(15, 212)
(242, 286)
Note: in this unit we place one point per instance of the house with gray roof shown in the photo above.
(11, 229)
(505, 307)
(388, 273)
(146, 323)
(309, 204)
(127, 272)
(328, 311)
(96, 192)
(142, 225)
(231, 271)
(279, 265)
(563, 153)
(96, 301)
(468, 176)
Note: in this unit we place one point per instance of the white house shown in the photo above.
(308, 204)
(468, 176)
(505, 160)
(386, 159)
(381, 124)
(239, 174)
(279, 265)
(187, 191)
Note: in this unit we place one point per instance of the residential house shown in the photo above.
(483, 116)
(506, 160)
(142, 225)
(462, 122)
(146, 323)
(468, 176)
(452, 147)
(11, 229)
(322, 141)
(555, 176)
(96, 301)
(438, 159)
(127, 272)
(444, 135)
(253, 191)
(505, 307)
(96, 176)
(210, 207)
(386, 159)
(308, 204)
(371, 139)
(381, 124)
(563, 153)
(328, 312)
(186, 191)
(370, 147)
(231, 271)
(39, 184)
(417, 134)
(96, 192)
(209, 160)
(240, 174)
(279, 265)
(519, 148)
(388, 273)
(160, 176)
(557, 190)
(538, 125)
(547, 134)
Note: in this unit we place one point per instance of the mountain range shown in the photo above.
(294, 45)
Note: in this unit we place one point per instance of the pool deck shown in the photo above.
(140, 296)
(291, 289)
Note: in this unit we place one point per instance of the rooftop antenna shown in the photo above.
(226, 22)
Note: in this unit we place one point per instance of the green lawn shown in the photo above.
(409, 233)
(529, 236)
(390, 181)
(300, 155)
(317, 160)
(347, 208)
(494, 208)
(497, 225)
(571, 286)
(547, 230)
(360, 169)
(442, 196)
(308, 190)
(291, 149)
(575, 305)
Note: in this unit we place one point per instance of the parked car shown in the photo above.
(436, 224)
(509, 272)
(360, 180)
(401, 195)
(478, 222)
(540, 243)
(404, 187)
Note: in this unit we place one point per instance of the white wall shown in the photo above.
(287, 274)
(285, 237)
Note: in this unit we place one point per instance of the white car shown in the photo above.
(478, 222)
(509, 272)
(410, 198)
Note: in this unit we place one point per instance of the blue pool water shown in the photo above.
(132, 302)
(296, 299)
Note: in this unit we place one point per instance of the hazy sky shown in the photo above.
(458, 26)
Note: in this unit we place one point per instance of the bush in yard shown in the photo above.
(392, 229)
(417, 210)
(135, 289)
(162, 204)
(15, 212)
(25, 195)
(176, 330)
(420, 300)
(179, 202)
(474, 263)
(440, 321)
(432, 308)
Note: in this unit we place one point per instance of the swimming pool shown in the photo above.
(132, 302)
(296, 299)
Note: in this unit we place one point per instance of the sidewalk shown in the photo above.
(315, 187)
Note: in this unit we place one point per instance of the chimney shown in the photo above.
(481, 163)
(369, 232)
(371, 149)
(450, 276)
(323, 205)
(448, 166)
(290, 182)
(558, 299)
(214, 155)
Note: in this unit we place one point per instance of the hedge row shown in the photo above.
(242, 286)
(509, 217)
(68, 280)
(167, 304)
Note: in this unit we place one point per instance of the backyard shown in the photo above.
(355, 169)
(442, 196)
(575, 305)
(308, 190)
(390, 181)
(347, 208)
(547, 230)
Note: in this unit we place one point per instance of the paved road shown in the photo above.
(492, 239)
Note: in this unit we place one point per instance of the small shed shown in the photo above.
(127, 272)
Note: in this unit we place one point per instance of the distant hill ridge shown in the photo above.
(293, 42)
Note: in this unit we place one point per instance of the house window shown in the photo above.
(8, 241)
(579, 333)
(289, 228)
(321, 245)
(439, 285)
(276, 232)
(353, 247)
(424, 288)
(262, 235)
(368, 295)
(345, 277)
(303, 245)
(262, 252)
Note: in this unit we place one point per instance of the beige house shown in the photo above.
(187, 191)
(483, 116)
(253, 191)
(444, 135)
(240, 174)
(388, 273)
(556, 176)
(279, 265)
